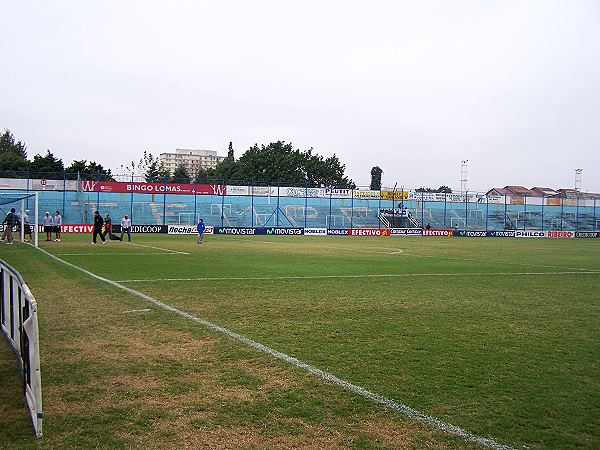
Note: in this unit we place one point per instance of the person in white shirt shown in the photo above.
(126, 227)
(48, 223)
(56, 224)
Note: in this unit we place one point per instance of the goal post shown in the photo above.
(17, 200)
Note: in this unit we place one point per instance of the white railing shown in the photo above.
(19, 325)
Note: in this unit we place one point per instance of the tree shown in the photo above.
(47, 166)
(278, 161)
(164, 176)
(181, 175)
(152, 174)
(13, 156)
(90, 170)
(442, 189)
(8, 145)
(376, 178)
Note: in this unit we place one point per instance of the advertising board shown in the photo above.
(467, 233)
(530, 234)
(152, 188)
(438, 232)
(315, 232)
(238, 231)
(338, 232)
(406, 232)
(560, 234)
(394, 195)
(369, 232)
(503, 233)
(587, 234)
(187, 229)
(284, 231)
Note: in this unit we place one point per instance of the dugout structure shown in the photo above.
(19, 325)
(17, 200)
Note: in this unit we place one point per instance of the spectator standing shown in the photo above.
(201, 227)
(48, 223)
(126, 227)
(98, 222)
(9, 222)
(107, 227)
(27, 226)
(56, 225)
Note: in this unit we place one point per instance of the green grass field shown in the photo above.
(500, 337)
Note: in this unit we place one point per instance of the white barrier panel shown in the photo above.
(19, 325)
(187, 229)
(315, 232)
(530, 234)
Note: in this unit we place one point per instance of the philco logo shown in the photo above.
(531, 234)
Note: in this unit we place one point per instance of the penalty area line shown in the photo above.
(381, 275)
(358, 390)
(159, 248)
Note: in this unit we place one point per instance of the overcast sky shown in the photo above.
(413, 87)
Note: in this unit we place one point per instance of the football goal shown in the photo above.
(28, 224)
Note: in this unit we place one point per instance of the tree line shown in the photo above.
(15, 164)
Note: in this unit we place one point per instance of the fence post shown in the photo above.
(305, 200)
(164, 200)
(28, 177)
(277, 210)
(352, 208)
(131, 200)
(422, 209)
(487, 211)
(252, 200)
(466, 210)
(223, 201)
(330, 188)
(577, 212)
(378, 207)
(505, 212)
(524, 210)
(594, 224)
(543, 201)
(562, 207)
(64, 192)
(445, 206)
(98, 195)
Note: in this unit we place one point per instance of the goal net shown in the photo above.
(25, 205)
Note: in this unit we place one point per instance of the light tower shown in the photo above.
(463, 175)
(578, 179)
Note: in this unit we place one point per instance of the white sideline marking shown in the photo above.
(159, 248)
(376, 275)
(377, 398)
(115, 254)
(137, 310)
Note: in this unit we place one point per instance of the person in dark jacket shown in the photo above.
(200, 228)
(10, 221)
(98, 222)
(107, 227)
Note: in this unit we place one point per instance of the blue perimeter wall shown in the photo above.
(262, 211)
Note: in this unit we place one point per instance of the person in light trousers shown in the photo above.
(126, 227)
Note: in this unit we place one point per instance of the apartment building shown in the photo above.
(192, 159)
